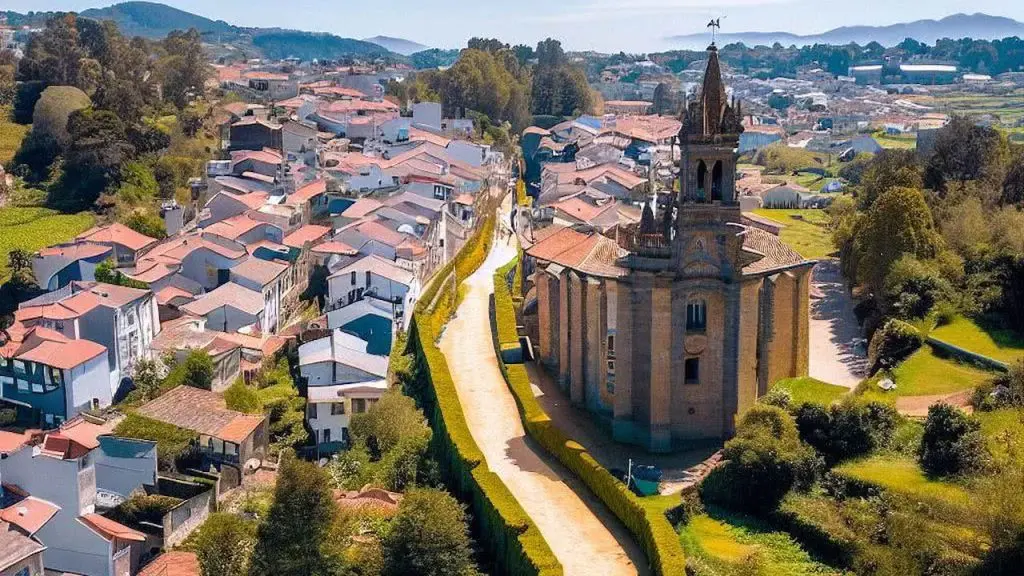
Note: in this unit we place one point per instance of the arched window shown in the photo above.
(716, 182)
(702, 175)
(696, 316)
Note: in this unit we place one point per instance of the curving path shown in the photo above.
(585, 537)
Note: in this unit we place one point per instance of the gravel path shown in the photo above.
(833, 330)
(585, 537)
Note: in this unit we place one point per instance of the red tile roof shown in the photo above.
(201, 411)
(76, 251)
(117, 233)
(63, 447)
(10, 442)
(335, 247)
(169, 292)
(307, 233)
(233, 227)
(64, 355)
(259, 270)
(173, 564)
(110, 529)
(29, 514)
(307, 192)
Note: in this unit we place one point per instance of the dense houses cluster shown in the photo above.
(320, 181)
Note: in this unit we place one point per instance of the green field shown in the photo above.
(1002, 345)
(1009, 108)
(925, 373)
(32, 228)
(803, 390)
(898, 142)
(11, 135)
(729, 544)
(805, 231)
(901, 475)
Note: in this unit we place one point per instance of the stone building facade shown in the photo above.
(672, 327)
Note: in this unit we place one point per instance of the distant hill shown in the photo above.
(978, 26)
(397, 45)
(153, 20)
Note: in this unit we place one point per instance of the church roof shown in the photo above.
(586, 252)
(774, 254)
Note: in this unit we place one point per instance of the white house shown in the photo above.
(342, 379)
(269, 279)
(373, 277)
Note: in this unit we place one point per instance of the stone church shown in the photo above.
(671, 327)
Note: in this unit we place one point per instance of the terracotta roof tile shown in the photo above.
(202, 411)
(307, 233)
(173, 564)
(307, 192)
(29, 514)
(117, 233)
(110, 529)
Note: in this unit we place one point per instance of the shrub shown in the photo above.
(172, 443)
(8, 416)
(847, 430)
(198, 370)
(952, 443)
(778, 397)
(143, 508)
(223, 545)
(912, 288)
(428, 536)
(239, 396)
(765, 461)
(1005, 390)
(147, 224)
(893, 342)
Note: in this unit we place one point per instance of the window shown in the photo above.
(311, 412)
(611, 366)
(696, 316)
(37, 388)
(353, 277)
(692, 371)
(19, 367)
(22, 385)
(611, 345)
(48, 418)
(337, 408)
(4, 362)
(23, 572)
(327, 435)
(358, 405)
(368, 278)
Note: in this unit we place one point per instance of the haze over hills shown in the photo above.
(397, 45)
(979, 26)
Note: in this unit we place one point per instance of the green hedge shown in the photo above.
(508, 337)
(650, 528)
(503, 527)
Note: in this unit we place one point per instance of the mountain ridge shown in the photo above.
(978, 25)
(397, 45)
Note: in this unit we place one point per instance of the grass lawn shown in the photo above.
(1003, 345)
(11, 135)
(807, 389)
(899, 142)
(1002, 429)
(902, 476)
(729, 543)
(32, 228)
(925, 373)
(805, 231)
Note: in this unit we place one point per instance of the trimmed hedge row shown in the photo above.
(503, 527)
(650, 528)
(510, 349)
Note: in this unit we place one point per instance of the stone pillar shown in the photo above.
(544, 319)
(564, 319)
(576, 337)
(593, 345)
(730, 357)
(802, 319)
(661, 367)
(622, 409)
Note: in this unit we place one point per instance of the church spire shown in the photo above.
(712, 94)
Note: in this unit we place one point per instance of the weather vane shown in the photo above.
(715, 25)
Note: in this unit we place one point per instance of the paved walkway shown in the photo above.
(585, 537)
(834, 330)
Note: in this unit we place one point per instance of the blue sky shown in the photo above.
(608, 25)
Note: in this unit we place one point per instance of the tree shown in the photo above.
(952, 444)
(54, 56)
(390, 420)
(98, 150)
(19, 262)
(293, 541)
(664, 103)
(184, 70)
(198, 370)
(223, 545)
(146, 379)
(52, 110)
(963, 152)
(898, 223)
(846, 430)
(765, 460)
(429, 537)
(146, 223)
(1013, 185)
(889, 169)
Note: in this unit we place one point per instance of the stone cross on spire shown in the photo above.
(715, 25)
